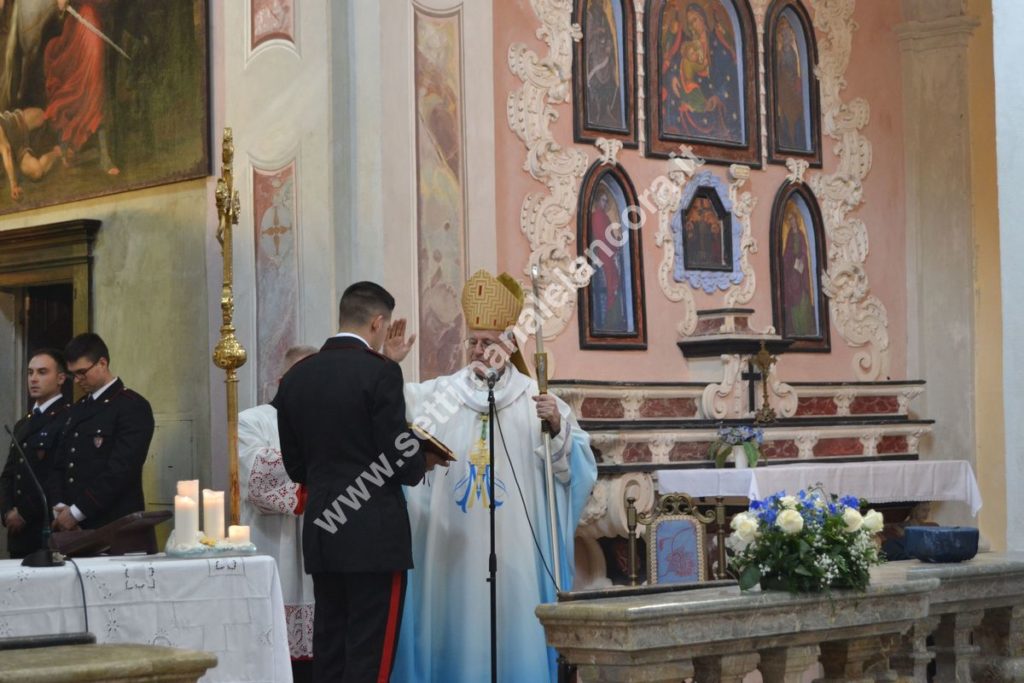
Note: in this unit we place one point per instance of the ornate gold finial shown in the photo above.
(229, 355)
(764, 360)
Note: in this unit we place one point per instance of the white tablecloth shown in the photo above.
(231, 607)
(877, 482)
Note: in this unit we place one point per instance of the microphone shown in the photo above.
(44, 557)
(491, 376)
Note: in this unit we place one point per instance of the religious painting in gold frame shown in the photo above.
(89, 115)
(702, 80)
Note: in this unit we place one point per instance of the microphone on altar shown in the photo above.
(44, 557)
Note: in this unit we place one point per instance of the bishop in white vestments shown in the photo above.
(446, 627)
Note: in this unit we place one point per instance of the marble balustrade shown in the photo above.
(973, 611)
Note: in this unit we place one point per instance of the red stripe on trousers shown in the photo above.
(391, 634)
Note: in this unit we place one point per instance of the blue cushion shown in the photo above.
(942, 543)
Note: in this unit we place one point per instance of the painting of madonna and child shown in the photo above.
(99, 97)
(702, 91)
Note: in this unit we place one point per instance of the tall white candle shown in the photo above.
(213, 513)
(190, 488)
(186, 520)
(238, 534)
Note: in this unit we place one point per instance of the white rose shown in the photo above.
(873, 521)
(790, 521)
(788, 502)
(852, 519)
(745, 526)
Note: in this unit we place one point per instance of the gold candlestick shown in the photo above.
(764, 360)
(229, 355)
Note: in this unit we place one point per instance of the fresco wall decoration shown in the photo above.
(277, 273)
(611, 307)
(604, 72)
(272, 20)
(85, 115)
(794, 106)
(440, 188)
(702, 80)
(799, 257)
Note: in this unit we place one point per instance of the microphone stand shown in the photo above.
(493, 558)
(44, 557)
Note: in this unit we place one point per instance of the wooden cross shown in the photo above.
(751, 375)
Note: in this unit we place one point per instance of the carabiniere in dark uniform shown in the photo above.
(103, 447)
(38, 435)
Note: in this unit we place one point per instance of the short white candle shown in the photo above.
(186, 520)
(213, 513)
(238, 534)
(190, 488)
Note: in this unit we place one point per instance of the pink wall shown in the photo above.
(874, 74)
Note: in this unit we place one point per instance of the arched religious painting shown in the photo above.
(794, 107)
(604, 72)
(702, 80)
(611, 307)
(799, 305)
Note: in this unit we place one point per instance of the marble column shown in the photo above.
(913, 658)
(857, 660)
(666, 672)
(954, 648)
(1000, 637)
(725, 668)
(940, 249)
(787, 664)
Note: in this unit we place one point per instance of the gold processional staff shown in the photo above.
(229, 355)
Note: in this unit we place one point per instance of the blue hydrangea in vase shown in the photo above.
(742, 443)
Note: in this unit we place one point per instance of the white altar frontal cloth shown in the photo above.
(230, 606)
(877, 482)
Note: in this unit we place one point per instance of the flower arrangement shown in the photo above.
(805, 543)
(747, 436)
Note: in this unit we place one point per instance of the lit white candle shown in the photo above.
(213, 513)
(238, 534)
(190, 488)
(186, 520)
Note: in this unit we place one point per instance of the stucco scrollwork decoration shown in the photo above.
(782, 396)
(724, 399)
(667, 194)
(742, 207)
(546, 219)
(859, 316)
(609, 151)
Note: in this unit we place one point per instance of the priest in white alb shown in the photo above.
(272, 506)
(445, 634)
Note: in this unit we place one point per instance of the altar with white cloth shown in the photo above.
(876, 482)
(231, 607)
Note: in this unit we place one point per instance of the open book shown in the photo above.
(431, 444)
